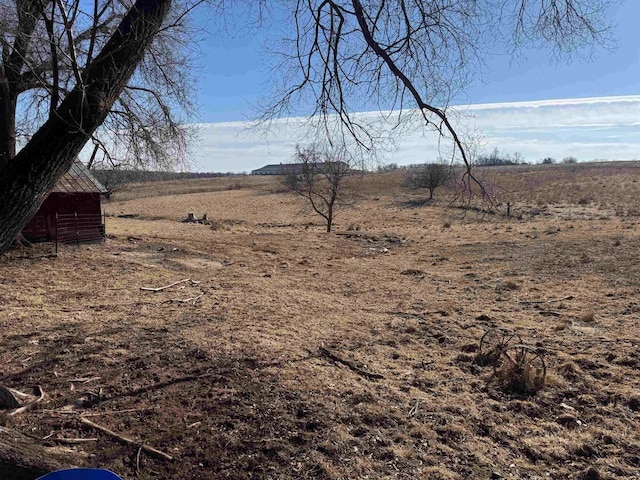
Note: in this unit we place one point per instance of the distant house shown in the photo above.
(278, 169)
(285, 168)
(72, 210)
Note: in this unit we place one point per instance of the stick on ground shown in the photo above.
(145, 448)
(71, 441)
(159, 289)
(354, 368)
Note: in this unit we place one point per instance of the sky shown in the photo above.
(588, 108)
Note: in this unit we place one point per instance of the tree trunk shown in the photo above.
(21, 458)
(12, 62)
(8, 101)
(26, 179)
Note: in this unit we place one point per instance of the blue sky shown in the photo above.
(233, 78)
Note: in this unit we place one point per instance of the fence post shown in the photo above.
(75, 216)
(56, 233)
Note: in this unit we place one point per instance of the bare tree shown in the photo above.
(72, 71)
(49, 43)
(429, 176)
(320, 177)
(411, 57)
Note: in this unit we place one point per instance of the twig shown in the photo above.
(414, 409)
(112, 412)
(75, 411)
(166, 383)
(83, 380)
(159, 289)
(192, 300)
(539, 302)
(72, 441)
(138, 460)
(146, 448)
(354, 368)
(30, 405)
(549, 313)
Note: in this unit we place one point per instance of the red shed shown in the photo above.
(71, 211)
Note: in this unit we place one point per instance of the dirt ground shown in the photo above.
(291, 353)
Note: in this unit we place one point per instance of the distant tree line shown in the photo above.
(565, 160)
(111, 178)
(139, 176)
(497, 158)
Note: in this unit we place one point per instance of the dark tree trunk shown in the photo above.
(329, 221)
(8, 101)
(12, 65)
(22, 458)
(50, 153)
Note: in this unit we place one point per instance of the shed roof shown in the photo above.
(78, 180)
(275, 169)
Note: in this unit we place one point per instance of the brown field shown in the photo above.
(294, 353)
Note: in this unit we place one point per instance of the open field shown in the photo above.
(292, 353)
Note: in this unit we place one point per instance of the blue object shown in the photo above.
(81, 474)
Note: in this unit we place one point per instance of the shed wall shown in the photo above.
(42, 227)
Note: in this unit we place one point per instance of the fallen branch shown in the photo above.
(192, 300)
(159, 289)
(145, 448)
(30, 405)
(166, 383)
(354, 368)
(540, 302)
(71, 441)
(83, 379)
(549, 313)
(75, 411)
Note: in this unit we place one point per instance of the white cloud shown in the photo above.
(587, 128)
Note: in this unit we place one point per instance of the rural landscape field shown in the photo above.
(284, 352)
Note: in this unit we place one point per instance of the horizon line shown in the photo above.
(456, 107)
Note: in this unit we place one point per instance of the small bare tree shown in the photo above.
(429, 176)
(319, 176)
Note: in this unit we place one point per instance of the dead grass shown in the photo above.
(236, 385)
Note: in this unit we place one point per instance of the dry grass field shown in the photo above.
(295, 354)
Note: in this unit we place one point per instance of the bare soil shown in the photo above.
(292, 353)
